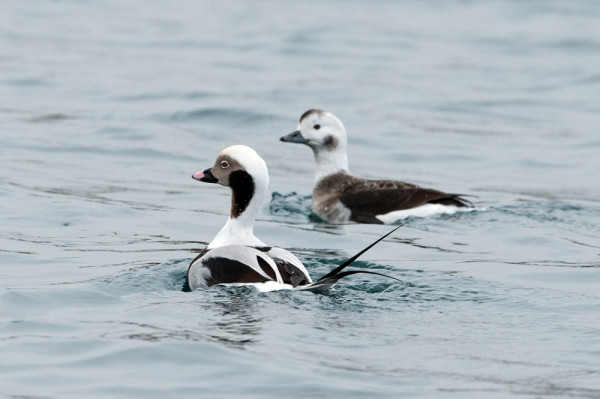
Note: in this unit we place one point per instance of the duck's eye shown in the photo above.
(317, 126)
(224, 164)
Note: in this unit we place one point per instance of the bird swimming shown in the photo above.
(236, 256)
(339, 197)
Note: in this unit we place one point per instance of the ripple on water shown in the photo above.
(235, 116)
(149, 277)
(162, 96)
(417, 286)
(291, 207)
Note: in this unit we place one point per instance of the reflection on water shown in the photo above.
(231, 317)
(236, 316)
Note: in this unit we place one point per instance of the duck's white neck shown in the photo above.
(330, 162)
(239, 230)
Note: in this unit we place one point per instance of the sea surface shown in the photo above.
(108, 107)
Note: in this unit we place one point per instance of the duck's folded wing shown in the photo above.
(231, 264)
(291, 269)
(381, 197)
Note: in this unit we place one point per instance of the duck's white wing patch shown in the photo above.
(421, 211)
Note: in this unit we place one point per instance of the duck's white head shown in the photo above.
(325, 134)
(245, 172)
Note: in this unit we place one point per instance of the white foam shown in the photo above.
(268, 286)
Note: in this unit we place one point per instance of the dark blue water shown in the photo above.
(108, 107)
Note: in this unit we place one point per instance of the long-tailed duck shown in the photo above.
(339, 197)
(236, 256)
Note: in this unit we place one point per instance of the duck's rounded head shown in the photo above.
(320, 130)
(235, 163)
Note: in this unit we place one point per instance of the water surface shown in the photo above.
(108, 107)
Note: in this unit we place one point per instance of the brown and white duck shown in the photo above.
(339, 197)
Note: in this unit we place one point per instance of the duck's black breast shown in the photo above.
(231, 264)
(227, 271)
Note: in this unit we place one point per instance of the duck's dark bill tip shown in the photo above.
(205, 176)
(294, 137)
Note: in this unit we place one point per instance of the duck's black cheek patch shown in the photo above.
(242, 186)
(330, 143)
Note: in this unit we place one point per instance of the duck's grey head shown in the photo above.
(320, 130)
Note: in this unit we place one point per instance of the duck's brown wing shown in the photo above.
(368, 198)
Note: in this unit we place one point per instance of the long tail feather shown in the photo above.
(329, 282)
(333, 276)
(349, 261)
